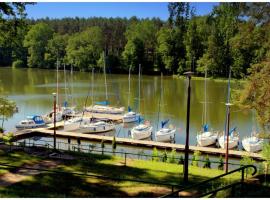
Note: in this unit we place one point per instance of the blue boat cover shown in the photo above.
(105, 103)
(65, 103)
(205, 128)
(163, 123)
(129, 109)
(37, 119)
(232, 130)
(140, 119)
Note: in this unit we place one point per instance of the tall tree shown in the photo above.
(84, 49)
(36, 41)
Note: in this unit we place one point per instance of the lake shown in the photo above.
(32, 90)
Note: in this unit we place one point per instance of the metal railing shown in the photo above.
(217, 178)
(125, 155)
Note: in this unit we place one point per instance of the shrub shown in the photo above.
(195, 158)
(155, 154)
(172, 156)
(207, 163)
(164, 156)
(17, 64)
(247, 161)
(221, 163)
(181, 160)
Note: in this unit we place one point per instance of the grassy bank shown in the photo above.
(217, 79)
(47, 184)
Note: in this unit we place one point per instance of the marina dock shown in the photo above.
(131, 142)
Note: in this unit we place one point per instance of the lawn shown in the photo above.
(48, 184)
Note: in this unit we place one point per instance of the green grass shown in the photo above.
(70, 185)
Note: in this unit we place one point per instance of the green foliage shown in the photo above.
(195, 158)
(8, 138)
(155, 156)
(7, 109)
(36, 41)
(221, 163)
(17, 64)
(84, 49)
(181, 160)
(164, 156)
(247, 161)
(266, 152)
(172, 156)
(102, 144)
(207, 162)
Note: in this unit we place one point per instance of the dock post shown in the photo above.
(125, 159)
(69, 144)
(54, 121)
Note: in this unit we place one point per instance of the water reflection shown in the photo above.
(32, 90)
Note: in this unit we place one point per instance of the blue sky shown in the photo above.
(115, 9)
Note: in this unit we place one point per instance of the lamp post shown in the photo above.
(54, 120)
(188, 74)
(227, 137)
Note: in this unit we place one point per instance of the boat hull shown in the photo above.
(206, 139)
(165, 137)
(233, 142)
(139, 135)
(252, 145)
(100, 129)
(132, 118)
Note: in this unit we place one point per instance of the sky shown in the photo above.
(108, 9)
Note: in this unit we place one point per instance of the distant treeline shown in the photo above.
(233, 34)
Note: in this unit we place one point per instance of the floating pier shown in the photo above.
(131, 142)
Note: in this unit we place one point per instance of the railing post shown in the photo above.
(242, 181)
(125, 159)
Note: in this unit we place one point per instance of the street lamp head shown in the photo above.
(54, 94)
(189, 73)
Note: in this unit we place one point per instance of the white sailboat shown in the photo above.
(232, 137)
(96, 127)
(252, 143)
(102, 107)
(141, 131)
(74, 124)
(233, 140)
(206, 137)
(130, 116)
(164, 134)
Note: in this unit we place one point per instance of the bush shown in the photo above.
(155, 154)
(1, 130)
(172, 156)
(207, 163)
(181, 160)
(221, 163)
(18, 64)
(195, 158)
(164, 156)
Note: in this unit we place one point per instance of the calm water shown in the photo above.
(32, 90)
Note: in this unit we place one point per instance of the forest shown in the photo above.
(235, 35)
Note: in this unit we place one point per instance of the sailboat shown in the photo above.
(164, 134)
(103, 106)
(141, 131)
(252, 143)
(206, 137)
(130, 116)
(61, 111)
(233, 136)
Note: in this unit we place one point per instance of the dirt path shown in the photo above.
(20, 174)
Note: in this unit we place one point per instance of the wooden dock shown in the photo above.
(118, 118)
(132, 142)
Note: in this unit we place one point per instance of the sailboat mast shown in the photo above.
(92, 86)
(205, 103)
(129, 86)
(139, 86)
(65, 82)
(71, 72)
(105, 76)
(160, 95)
(57, 97)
